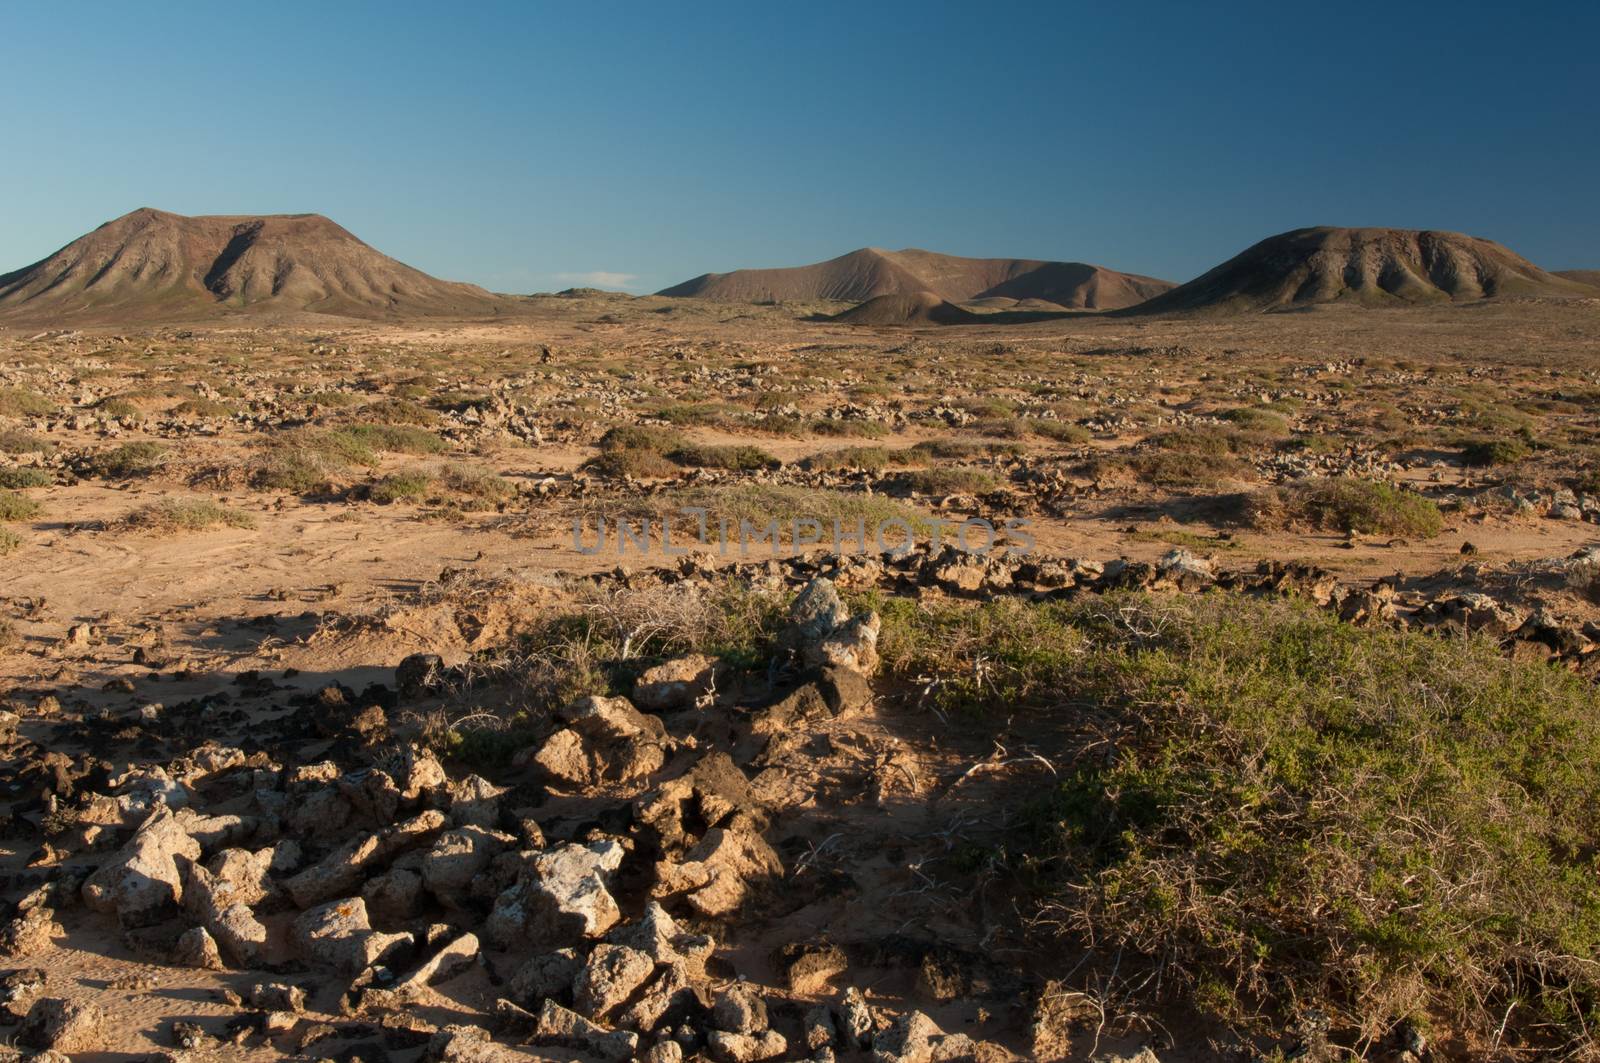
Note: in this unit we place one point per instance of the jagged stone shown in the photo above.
(716, 874)
(609, 978)
(676, 684)
(606, 740)
(144, 882)
(338, 934)
(561, 897)
(746, 1048)
(57, 1025)
(561, 1026)
(197, 948)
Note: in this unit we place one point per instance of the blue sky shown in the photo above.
(528, 146)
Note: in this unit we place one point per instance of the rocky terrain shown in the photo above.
(324, 738)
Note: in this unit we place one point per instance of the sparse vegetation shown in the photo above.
(1241, 831)
(15, 506)
(128, 460)
(20, 478)
(172, 515)
(1349, 504)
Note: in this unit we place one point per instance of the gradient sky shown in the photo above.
(529, 147)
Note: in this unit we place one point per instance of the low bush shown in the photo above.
(1348, 504)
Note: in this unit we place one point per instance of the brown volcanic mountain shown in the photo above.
(870, 272)
(1369, 267)
(152, 264)
(915, 308)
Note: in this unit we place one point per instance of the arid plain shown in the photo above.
(1268, 730)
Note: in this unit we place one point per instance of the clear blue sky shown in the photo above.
(525, 146)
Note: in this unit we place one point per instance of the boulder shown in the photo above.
(609, 978)
(676, 684)
(68, 1026)
(718, 871)
(197, 948)
(339, 935)
(561, 897)
(144, 882)
(606, 740)
(565, 1028)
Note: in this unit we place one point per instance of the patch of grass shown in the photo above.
(1346, 503)
(761, 503)
(735, 457)
(1487, 452)
(309, 462)
(21, 402)
(1272, 807)
(126, 461)
(396, 438)
(203, 408)
(641, 437)
(14, 506)
(958, 450)
(476, 483)
(865, 459)
(697, 413)
(1058, 431)
(1180, 469)
(117, 407)
(849, 427)
(172, 515)
(639, 464)
(15, 442)
(9, 541)
(18, 478)
(390, 412)
(1257, 419)
(948, 480)
(401, 487)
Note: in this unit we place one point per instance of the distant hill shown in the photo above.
(1591, 277)
(152, 264)
(1368, 267)
(870, 272)
(915, 308)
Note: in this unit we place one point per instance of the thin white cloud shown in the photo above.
(599, 278)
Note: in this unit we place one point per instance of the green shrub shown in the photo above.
(396, 438)
(848, 427)
(641, 437)
(738, 458)
(400, 486)
(172, 515)
(14, 506)
(866, 459)
(949, 480)
(18, 478)
(20, 402)
(126, 461)
(477, 483)
(1349, 504)
(1058, 431)
(1486, 452)
(9, 541)
(14, 442)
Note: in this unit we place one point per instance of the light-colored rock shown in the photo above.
(609, 978)
(560, 898)
(196, 947)
(676, 684)
(339, 935)
(561, 1026)
(144, 882)
(746, 1048)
